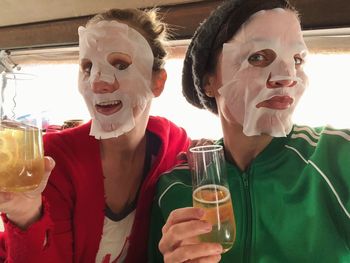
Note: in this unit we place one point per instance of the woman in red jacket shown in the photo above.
(95, 205)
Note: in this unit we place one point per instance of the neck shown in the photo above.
(240, 148)
(122, 160)
(125, 146)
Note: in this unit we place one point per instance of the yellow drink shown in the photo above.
(216, 201)
(21, 157)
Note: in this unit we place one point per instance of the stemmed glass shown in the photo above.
(211, 193)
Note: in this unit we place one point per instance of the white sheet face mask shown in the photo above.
(267, 49)
(133, 89)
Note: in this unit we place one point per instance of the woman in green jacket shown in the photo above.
(289, 184)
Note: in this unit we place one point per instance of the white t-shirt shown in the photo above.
(115, 240)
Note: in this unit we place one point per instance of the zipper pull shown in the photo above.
(245, 180)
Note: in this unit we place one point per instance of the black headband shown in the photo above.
(199, 50)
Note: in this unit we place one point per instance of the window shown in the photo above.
(55, 93)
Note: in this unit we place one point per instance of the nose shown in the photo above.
(280, 83)
(101, 86)
(283, 75)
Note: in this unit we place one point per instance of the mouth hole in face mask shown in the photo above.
(109, 107)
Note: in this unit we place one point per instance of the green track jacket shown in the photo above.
(291, 205)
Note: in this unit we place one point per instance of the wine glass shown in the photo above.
(211, 193)
(21, 146)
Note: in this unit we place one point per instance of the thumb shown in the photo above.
(49, 165)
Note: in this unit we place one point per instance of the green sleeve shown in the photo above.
(157, 222)
(174, 190)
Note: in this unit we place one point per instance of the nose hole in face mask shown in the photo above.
(281, 81)
(101, 86)
(98, 76)
(107, 78)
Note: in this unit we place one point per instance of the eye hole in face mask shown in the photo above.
(119, 60)
(299, 61)
(85, 66)
(262, 58)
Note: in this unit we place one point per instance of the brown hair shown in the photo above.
(147, 23)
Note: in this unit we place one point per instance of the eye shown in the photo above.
(256, 58)
(298, 60)
(119, 60)
(121, 65)
(86, 67)
(262, 58)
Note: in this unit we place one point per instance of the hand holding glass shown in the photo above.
(211, 193)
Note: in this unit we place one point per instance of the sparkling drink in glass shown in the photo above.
(211, 193)
(21, 146)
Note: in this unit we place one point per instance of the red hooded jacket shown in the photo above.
(71, 227)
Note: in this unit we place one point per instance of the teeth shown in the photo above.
(107, 103)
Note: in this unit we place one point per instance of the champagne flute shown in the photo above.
(211, 193)
(21, 146)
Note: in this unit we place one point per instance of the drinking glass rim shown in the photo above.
(206, 148)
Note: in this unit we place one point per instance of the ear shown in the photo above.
(208, 81)
(158, 81)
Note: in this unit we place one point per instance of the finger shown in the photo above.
(182, 215)
(49, 163)
(210, 259)
(194, 252)
(178, 233)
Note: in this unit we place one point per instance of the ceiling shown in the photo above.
(15, 12)
(31, 24)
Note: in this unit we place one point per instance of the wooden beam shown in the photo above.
(183, 19)
(322, 14)
(43, 34)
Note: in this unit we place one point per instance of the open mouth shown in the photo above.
(276, 103)
(109, 107)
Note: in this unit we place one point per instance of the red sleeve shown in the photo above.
(31, 245)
